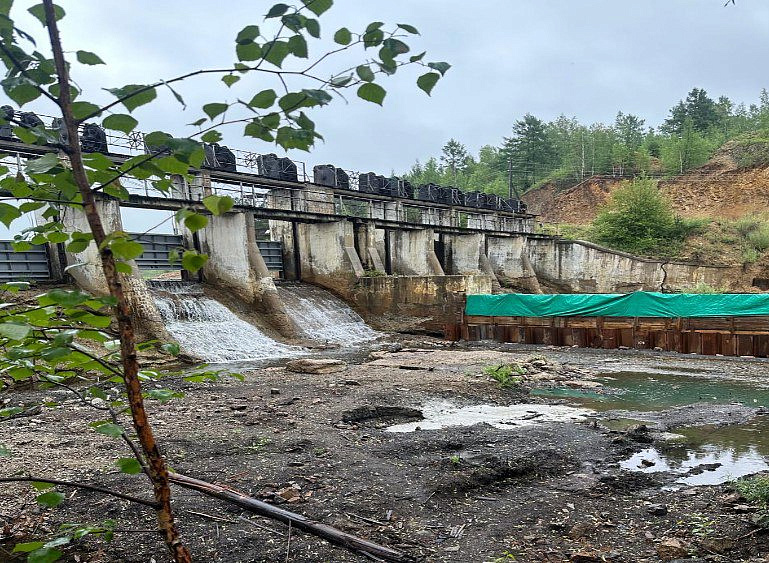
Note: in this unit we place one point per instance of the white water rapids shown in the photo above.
(208, 330)
(324, 317)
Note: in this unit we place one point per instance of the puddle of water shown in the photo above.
(712, 463)
(442, 414)
(709, 455)
(649, 392)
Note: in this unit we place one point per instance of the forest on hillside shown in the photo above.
(565, 150)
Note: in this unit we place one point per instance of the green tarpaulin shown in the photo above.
(637, 304)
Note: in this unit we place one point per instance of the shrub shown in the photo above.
(755, 490)
(750, 255)
(704, 288)
(747, 224)
(507, 375)
(759, 237)
(639, 219)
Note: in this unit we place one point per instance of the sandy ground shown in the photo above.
(318, 445)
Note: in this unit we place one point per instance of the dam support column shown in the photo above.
(412, 253)
(509, 259)
(235, 264)
(86, 269)
(367, 244)
(328, 257)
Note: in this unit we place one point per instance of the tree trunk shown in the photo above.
(157, 470)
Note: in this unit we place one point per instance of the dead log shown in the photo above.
(303, 523)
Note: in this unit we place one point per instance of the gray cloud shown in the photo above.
(588, 58)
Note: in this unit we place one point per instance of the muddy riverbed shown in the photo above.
(585, 456)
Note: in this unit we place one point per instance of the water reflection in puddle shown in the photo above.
(442, 414)
(707, 465)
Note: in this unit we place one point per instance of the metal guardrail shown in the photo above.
(272, 252)
(27, 265)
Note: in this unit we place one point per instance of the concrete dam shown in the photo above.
(343, 247)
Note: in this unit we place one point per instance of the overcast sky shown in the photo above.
(583, 58)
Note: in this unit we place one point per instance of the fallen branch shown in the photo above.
(298, 521)
(79, 486)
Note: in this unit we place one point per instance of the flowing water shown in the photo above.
(324, 317)
(208, 330)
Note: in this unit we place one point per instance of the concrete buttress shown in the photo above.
(86, 269)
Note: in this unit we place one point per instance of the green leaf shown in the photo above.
(294, 21)
(317, 7)
(408, 28)
(88, 58)
(120, 122)
(214, 109)
(57, 236)
(27, 547)
(230, 79)
(271, 120)
(276, 11)
(247, 34)
(77, 246)
(43, 164)
(313, 27)
(8, 214)
(317, 97)
(292, 101)
(343, 36)
(275, 52)
(192, 261)
(44, 555)
(341, 81)
(248, 51)
(94, 391)
(81, 110)
(98, 161)
(21, 246)
(14, 331)
(418, 57)
(218, 204)
(108, 429)
(51, 499)
(39, 12)
(129, 465)
(395, 47)
(365, 73)
(440, 67)
(373, 38)
(126, 249)
(163, 395)
(135, 95)
(172, 165)
(297, 44)
(194, 222)
(263, 99)
(427, 81)
(21, 93)
(258, 130)
(4, 451)
(372, 93)
(212, 136)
